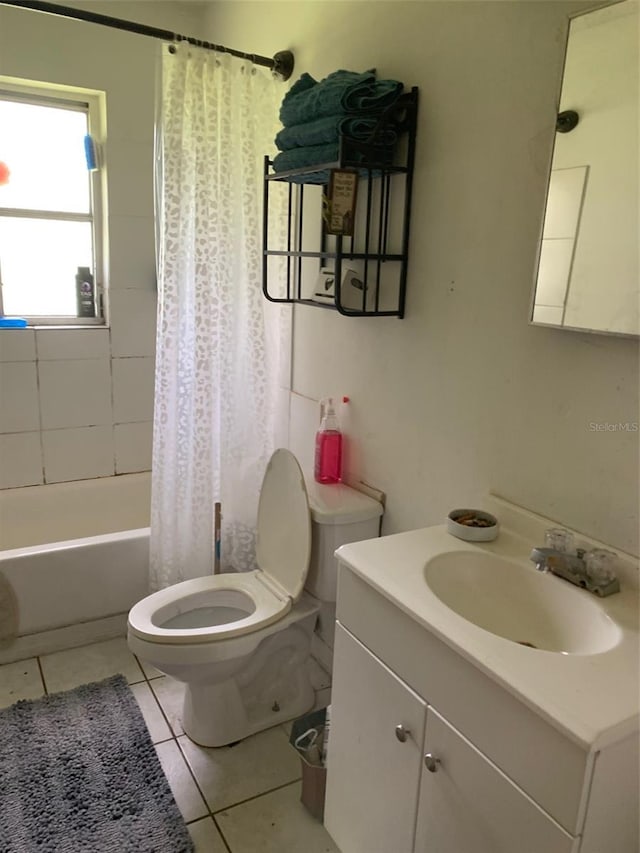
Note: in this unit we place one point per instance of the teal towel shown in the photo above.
(340, 92)
(328, 129)
(317, 155)
(312, 155)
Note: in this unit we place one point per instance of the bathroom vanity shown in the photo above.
(448, 734)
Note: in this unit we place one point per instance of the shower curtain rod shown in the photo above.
(281, 64)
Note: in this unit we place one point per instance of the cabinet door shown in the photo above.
(469, 806)
(373, 776)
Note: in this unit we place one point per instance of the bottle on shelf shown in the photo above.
(328, 455)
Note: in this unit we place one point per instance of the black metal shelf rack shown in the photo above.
(378, 251)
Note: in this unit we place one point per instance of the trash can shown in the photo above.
(310, 749)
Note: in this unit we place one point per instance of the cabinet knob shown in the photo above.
(402, 733)
(431, 762)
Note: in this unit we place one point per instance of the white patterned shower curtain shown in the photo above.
(222, 349)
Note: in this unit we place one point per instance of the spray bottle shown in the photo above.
(328, 457)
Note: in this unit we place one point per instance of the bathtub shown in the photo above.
(76, 557)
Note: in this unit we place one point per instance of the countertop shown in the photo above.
(594, 699)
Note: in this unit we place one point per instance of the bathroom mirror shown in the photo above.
(587, 274)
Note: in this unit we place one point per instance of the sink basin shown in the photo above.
(520, 604)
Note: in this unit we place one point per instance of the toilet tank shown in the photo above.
(339, 514)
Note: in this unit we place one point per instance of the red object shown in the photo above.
(327, 466)
(328, 461)
(4, 173)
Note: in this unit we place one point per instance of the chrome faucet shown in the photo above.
(575, 568)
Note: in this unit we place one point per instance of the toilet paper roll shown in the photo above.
(325, 287)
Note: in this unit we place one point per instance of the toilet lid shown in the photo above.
(283, 546)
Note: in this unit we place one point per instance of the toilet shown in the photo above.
(240, 641)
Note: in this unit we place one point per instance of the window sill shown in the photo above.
(51, 326)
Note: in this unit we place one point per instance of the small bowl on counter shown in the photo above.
(472, 525)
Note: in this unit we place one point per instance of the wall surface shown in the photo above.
(462, 396)
(78, 403)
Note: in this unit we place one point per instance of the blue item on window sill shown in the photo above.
(12, 323)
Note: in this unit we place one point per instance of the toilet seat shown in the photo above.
(263, 606)
(283, 552)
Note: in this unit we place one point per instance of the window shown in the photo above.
(50, 204)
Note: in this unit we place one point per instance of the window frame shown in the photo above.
(92, 102)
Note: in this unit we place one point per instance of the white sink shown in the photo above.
(520, 604)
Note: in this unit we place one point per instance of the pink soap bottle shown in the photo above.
(328, 458)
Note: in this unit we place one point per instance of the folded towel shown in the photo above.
(317, 155)
(340, 92)
(311, 155)
(328, 129)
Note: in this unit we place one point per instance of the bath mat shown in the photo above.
(78, 772)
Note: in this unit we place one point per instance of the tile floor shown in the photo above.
(239, 799)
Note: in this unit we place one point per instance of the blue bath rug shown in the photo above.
(79, 774)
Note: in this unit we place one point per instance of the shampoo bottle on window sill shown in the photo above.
(328, 456)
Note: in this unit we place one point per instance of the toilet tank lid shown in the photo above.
(340, 504)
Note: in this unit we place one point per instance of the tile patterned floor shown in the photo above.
(239, 799)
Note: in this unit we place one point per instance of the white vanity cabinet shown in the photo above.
(375, 766)
(382, 797)
(499, 779)
(467, 805)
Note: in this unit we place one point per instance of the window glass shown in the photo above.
(51, 214)
(43, 148)
(40, 260)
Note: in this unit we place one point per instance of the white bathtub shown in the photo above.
(76, 556)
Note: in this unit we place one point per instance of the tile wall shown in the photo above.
(78, 403)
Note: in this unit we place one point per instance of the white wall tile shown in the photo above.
(18, 397)
(133, 388)
(20, 460)
(75, 393)
(305, 420)
(130, 177)
(133, 443)
(78, 454)
(132, 262)
(17, 345)
(564, 202)
(550, 314)
(132, 316)
(553, 272)
(57, 344)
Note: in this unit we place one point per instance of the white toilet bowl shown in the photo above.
(245, 670)
(240, 641)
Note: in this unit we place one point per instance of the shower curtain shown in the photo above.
(222, 350)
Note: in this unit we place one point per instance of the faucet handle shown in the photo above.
(600, 566)
(559, 539)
